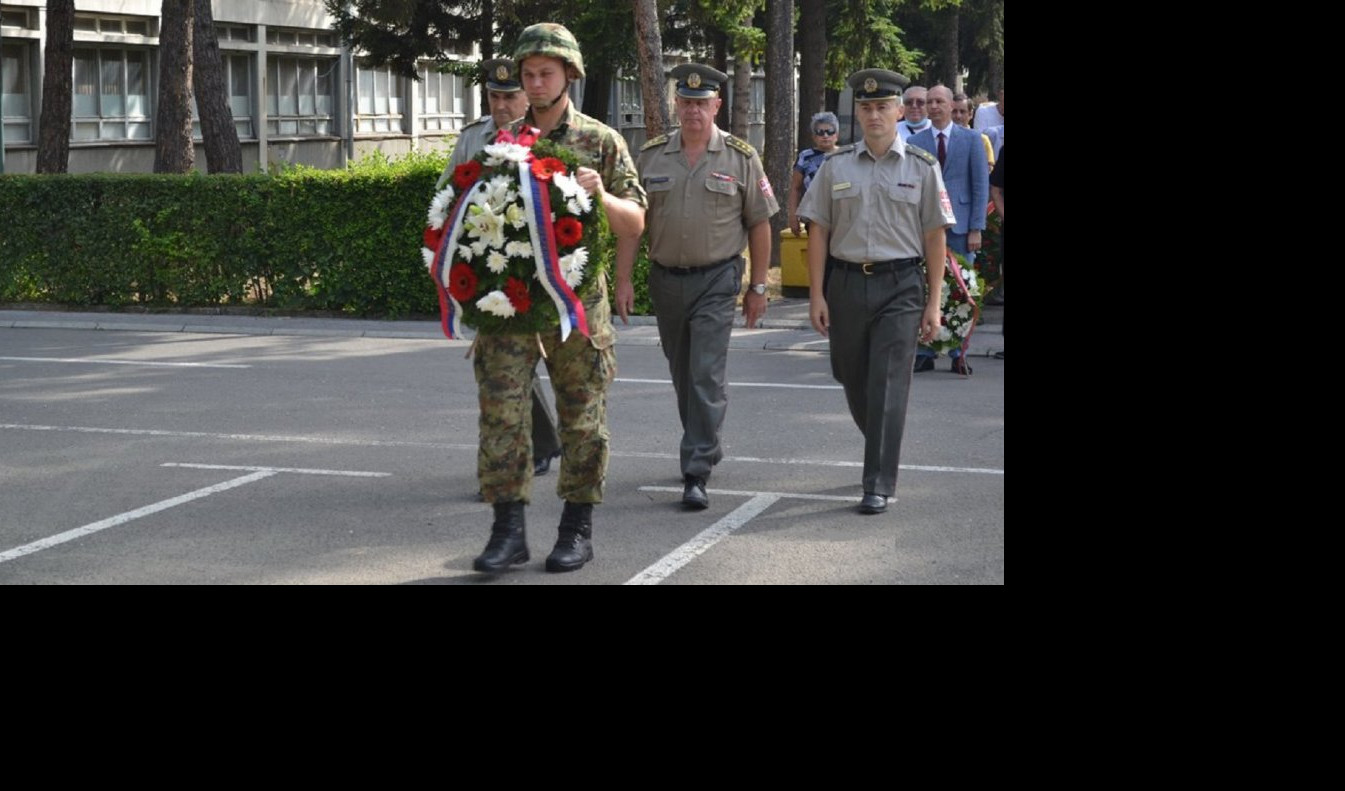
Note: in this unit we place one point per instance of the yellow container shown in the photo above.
(793, 263)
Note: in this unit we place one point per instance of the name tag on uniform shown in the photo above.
(844, 185)
(658, 179)
(907, 186)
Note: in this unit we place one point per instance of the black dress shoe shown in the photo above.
(543, 465)
(924, 364)
(693, 495)
(959, 366)
(872, 503)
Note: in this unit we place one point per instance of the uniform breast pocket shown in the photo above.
(658, 191)
(723, 196)
(845, 204)
(905, 192)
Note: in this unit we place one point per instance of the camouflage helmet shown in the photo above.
(552, 40)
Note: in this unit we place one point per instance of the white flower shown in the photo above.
(518, 250)
(496, 262)
(428, 255)
(488, 227)
(479, 248)
(944, 333)
(496, 193)
(973, 284)
(569, 187)
(515, 216)
(573, 206)
(572, 266)
(498, 153)
(963, 310)
(496, 302)
(466, 252)
(443, 201)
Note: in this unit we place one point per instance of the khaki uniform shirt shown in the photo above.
(700, 216)
(878, 209)
(600, 147)
(473, 137)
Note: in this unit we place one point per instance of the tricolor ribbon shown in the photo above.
(450, 311)
(537, 205)
(975, 309)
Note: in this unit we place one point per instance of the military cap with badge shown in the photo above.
(874, 84)
(501, 75)
(698, 81)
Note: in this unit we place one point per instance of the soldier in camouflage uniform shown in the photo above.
(507, 105)
(581, 368)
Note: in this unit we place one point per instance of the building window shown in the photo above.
(379, 99)
(18, 18)
(299, 38)
(111, 95)
(132, 26)
(233, 33)
(238, 79)
(442, 100)
(630, 103)
(299, 96)
(16, 104)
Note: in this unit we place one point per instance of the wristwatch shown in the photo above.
(758, 288)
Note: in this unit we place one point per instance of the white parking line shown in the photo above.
(776, 495)
(383, 443)
(300, 470)
(707, 538)
(785, 385)
(118, 362)
(121, 519)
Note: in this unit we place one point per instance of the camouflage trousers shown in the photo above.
(581, 370)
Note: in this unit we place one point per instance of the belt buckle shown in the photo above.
(865, 268)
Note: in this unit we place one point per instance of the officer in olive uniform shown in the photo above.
(708, 199)
(581, 367)
(878, 208)
(507, 105)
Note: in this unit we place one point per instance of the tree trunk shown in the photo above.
(949, 71)
(597, 92)
(653, 84)
(223, 154)
(487, 43)
(779, 108)
(742, 89)
(173, 150)
(53, 145)
(997, 49)
(722, 63)
(812, 66)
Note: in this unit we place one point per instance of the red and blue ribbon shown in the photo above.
(450, 312)
(537, 203)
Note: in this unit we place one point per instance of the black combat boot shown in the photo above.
(574, 545)
(508, 540)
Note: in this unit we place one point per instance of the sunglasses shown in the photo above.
(824, 132)
(916, 102)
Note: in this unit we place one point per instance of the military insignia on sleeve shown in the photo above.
(740, 145)
(765, 185)
(658, 141)
(945, 204)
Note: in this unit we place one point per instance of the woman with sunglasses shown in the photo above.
(825, 131)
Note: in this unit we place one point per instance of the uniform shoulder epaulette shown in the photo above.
(923, 154)
(658, 141)
(739, 145)
(845, 149)
(480, 120)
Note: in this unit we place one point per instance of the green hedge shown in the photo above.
(344, 241)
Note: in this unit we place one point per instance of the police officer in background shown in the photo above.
(507, 104)
(708, 199)
(876, 208)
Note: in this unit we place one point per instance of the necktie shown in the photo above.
(943, 152)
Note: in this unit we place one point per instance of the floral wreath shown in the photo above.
(961, 306)
(519, 244)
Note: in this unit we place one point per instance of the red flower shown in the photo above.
(545, 168)
(461, 282)
(569, 232)
(432, 237)
(517, 291)
(466, 174)
(525, 137)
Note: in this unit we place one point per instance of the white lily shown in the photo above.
(496, 302)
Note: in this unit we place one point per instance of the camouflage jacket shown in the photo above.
(600, 147)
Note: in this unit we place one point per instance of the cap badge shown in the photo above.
(501, 73)
(693, 80)
(870, 85)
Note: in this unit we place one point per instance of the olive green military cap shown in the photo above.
(501, 75)
(876, 84)
(698, 81)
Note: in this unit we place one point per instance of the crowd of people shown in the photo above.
(879, 213)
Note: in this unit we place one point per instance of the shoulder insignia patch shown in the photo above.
(739, 145)
(840, 150)
(480, 120)
(658, 141)
(923, 154)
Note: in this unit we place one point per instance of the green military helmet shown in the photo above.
(552, 40)
(872, 84)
